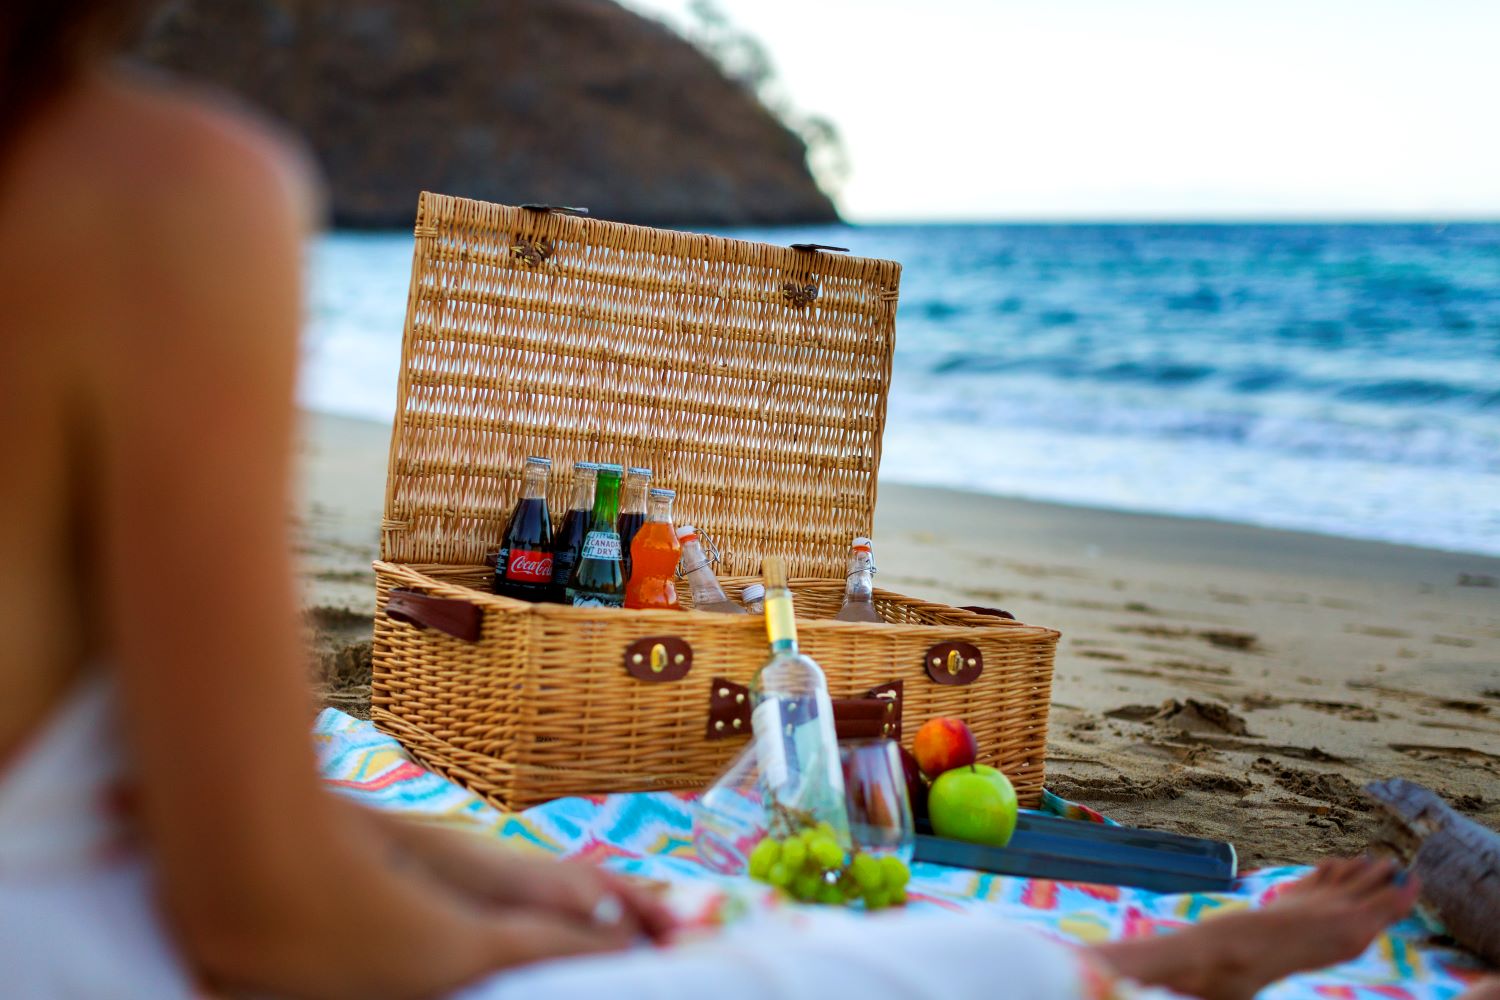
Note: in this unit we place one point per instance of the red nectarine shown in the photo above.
(943, 744)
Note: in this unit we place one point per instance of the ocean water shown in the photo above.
(1343, 379)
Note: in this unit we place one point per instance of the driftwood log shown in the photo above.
(1457, 860)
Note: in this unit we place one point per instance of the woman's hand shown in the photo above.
(493, 875)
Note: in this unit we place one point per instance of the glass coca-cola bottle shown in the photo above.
(567, 544)
(523, 569)
(632, 511)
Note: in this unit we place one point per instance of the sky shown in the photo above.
(1146, 109)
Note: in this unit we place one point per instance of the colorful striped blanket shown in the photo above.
(650, 835)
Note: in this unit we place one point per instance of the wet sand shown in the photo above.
(1216, 679)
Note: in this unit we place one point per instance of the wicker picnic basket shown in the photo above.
(752, 378)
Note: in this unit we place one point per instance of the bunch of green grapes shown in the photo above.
(811, 866)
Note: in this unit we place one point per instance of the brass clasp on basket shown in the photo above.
(954, 663)
(658, 658)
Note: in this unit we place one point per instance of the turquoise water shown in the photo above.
(1343, 379)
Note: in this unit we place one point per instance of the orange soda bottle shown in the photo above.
(654, 554)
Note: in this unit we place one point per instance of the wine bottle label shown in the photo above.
(601, 545)
(529, 566)
(770, 743)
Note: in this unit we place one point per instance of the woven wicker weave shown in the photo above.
(684, 353)
(752, 379)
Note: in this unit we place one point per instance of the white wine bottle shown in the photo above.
(792, 719)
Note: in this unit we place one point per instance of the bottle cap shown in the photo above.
(687, 533)
(636, 470)
(609, 467)
(861, 544)
(586, 466)
(754, 592)
(657, 491)
(545, 463)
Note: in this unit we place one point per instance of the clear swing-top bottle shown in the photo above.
(708, 595)
(859, 585)
(791, 718)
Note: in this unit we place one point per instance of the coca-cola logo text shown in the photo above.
(529, 567)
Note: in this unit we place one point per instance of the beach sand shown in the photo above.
(1216, 679)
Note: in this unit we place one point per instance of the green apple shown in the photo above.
(974, 803)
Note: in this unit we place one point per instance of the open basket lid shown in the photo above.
(751, 378)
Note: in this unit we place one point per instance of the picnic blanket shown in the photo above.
(650, 835)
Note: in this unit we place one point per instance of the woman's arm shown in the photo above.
(267, 880)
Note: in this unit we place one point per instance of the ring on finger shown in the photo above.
(608, 911)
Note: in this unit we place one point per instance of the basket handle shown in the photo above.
(448, 615)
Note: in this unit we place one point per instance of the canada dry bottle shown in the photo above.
(568, 542)
(632, 510)
(523, 568)
(792, 721)
(707, 594)
(859, 585)
(654, 555)
(597, 579)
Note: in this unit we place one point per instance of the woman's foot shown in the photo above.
(1487, 990)
(1328, 917)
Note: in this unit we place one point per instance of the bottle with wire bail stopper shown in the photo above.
(708, 595)
(598, 581)
(859, 585)
(792, 722)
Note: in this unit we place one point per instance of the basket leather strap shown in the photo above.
(876, 714)
(448, 615)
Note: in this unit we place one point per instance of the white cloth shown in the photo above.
(77, 917)
(837, 955)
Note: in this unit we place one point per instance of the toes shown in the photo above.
(1370, 874)
(1396, 899)
(1340, 870)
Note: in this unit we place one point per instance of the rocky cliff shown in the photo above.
(575, 102)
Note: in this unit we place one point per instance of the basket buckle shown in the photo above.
(658, 658)
(954, 663)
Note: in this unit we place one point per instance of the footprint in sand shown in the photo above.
(1379, 631)
(1458, 755)
(1453, 640)
(1191, 715)
(1332, 788)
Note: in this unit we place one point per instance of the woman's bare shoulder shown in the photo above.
(133, 154)
(136, 200)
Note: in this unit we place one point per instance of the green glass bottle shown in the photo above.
(598, 579)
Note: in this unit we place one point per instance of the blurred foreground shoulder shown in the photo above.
(183, 149)
(128, 185)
